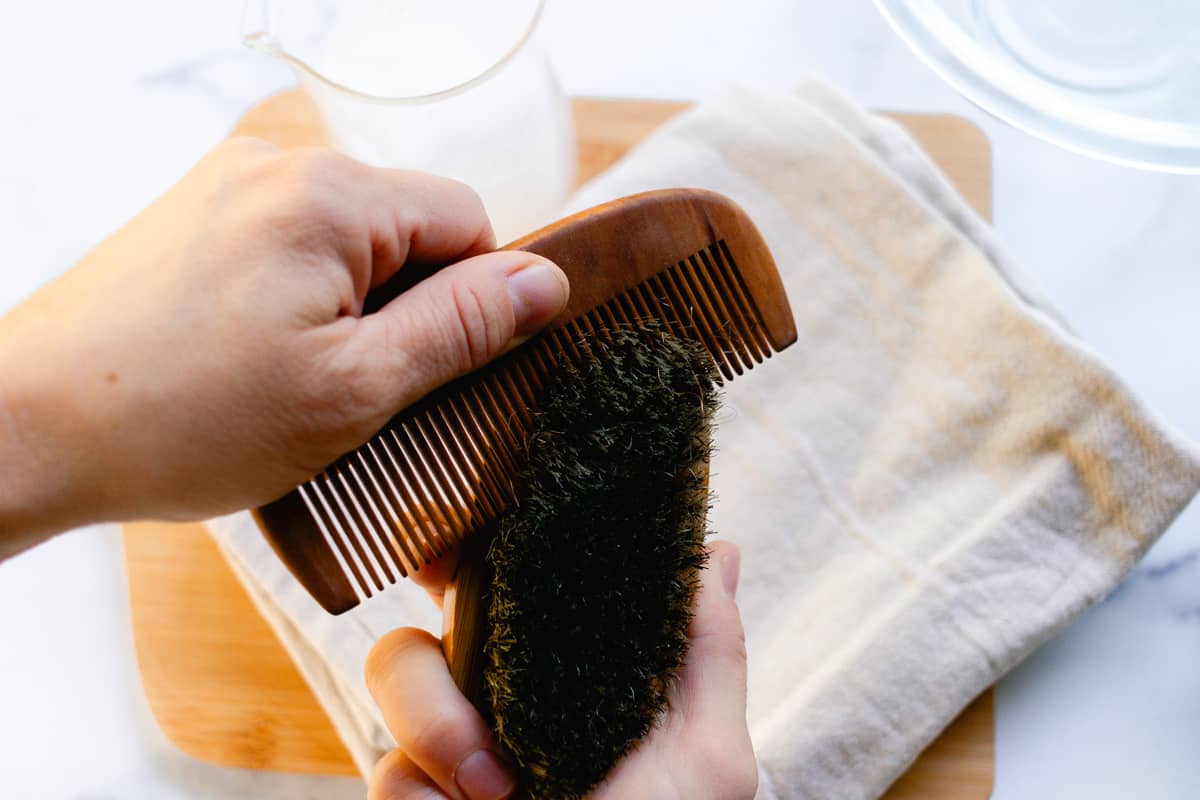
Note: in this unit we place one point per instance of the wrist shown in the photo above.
(19, 527)
(41, 489)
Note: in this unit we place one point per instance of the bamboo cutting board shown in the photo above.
(218, 681)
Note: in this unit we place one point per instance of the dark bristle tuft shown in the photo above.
(596, 565)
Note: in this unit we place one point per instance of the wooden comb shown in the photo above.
(689, 259)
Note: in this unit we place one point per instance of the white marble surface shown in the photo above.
(103, 105)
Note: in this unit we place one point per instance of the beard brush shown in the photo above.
(568, 628)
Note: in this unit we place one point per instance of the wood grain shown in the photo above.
(221, 685)
(218, 680)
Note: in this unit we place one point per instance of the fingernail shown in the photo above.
(539, 291)
(482, 776)
(731, 564)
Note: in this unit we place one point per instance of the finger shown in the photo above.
(411, 217)
(434, 576)
(386, 218)
(457, 320)
(712, 688)
(420, 218)
(396, 777)
(434, 725)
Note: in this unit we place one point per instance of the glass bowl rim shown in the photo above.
(1004, 92)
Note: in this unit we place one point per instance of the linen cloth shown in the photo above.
(931, 482)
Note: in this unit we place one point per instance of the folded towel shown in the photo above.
(933, 480)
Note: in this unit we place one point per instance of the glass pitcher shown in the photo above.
(460, 88)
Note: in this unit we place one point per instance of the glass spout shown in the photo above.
(257, 30)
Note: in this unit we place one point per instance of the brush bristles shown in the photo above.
(596, 564)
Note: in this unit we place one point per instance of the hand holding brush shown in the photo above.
(700, 748)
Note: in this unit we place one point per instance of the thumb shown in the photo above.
(712, 686)
(459, 318)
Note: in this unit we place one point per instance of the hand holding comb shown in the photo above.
(688, 259)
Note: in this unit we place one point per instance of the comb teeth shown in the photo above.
(438, 470)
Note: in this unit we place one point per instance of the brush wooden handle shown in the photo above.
(464, 616)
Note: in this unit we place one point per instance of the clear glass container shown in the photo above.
(460, 88)
(1114, 79)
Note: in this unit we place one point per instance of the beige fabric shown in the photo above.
(933, 480)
